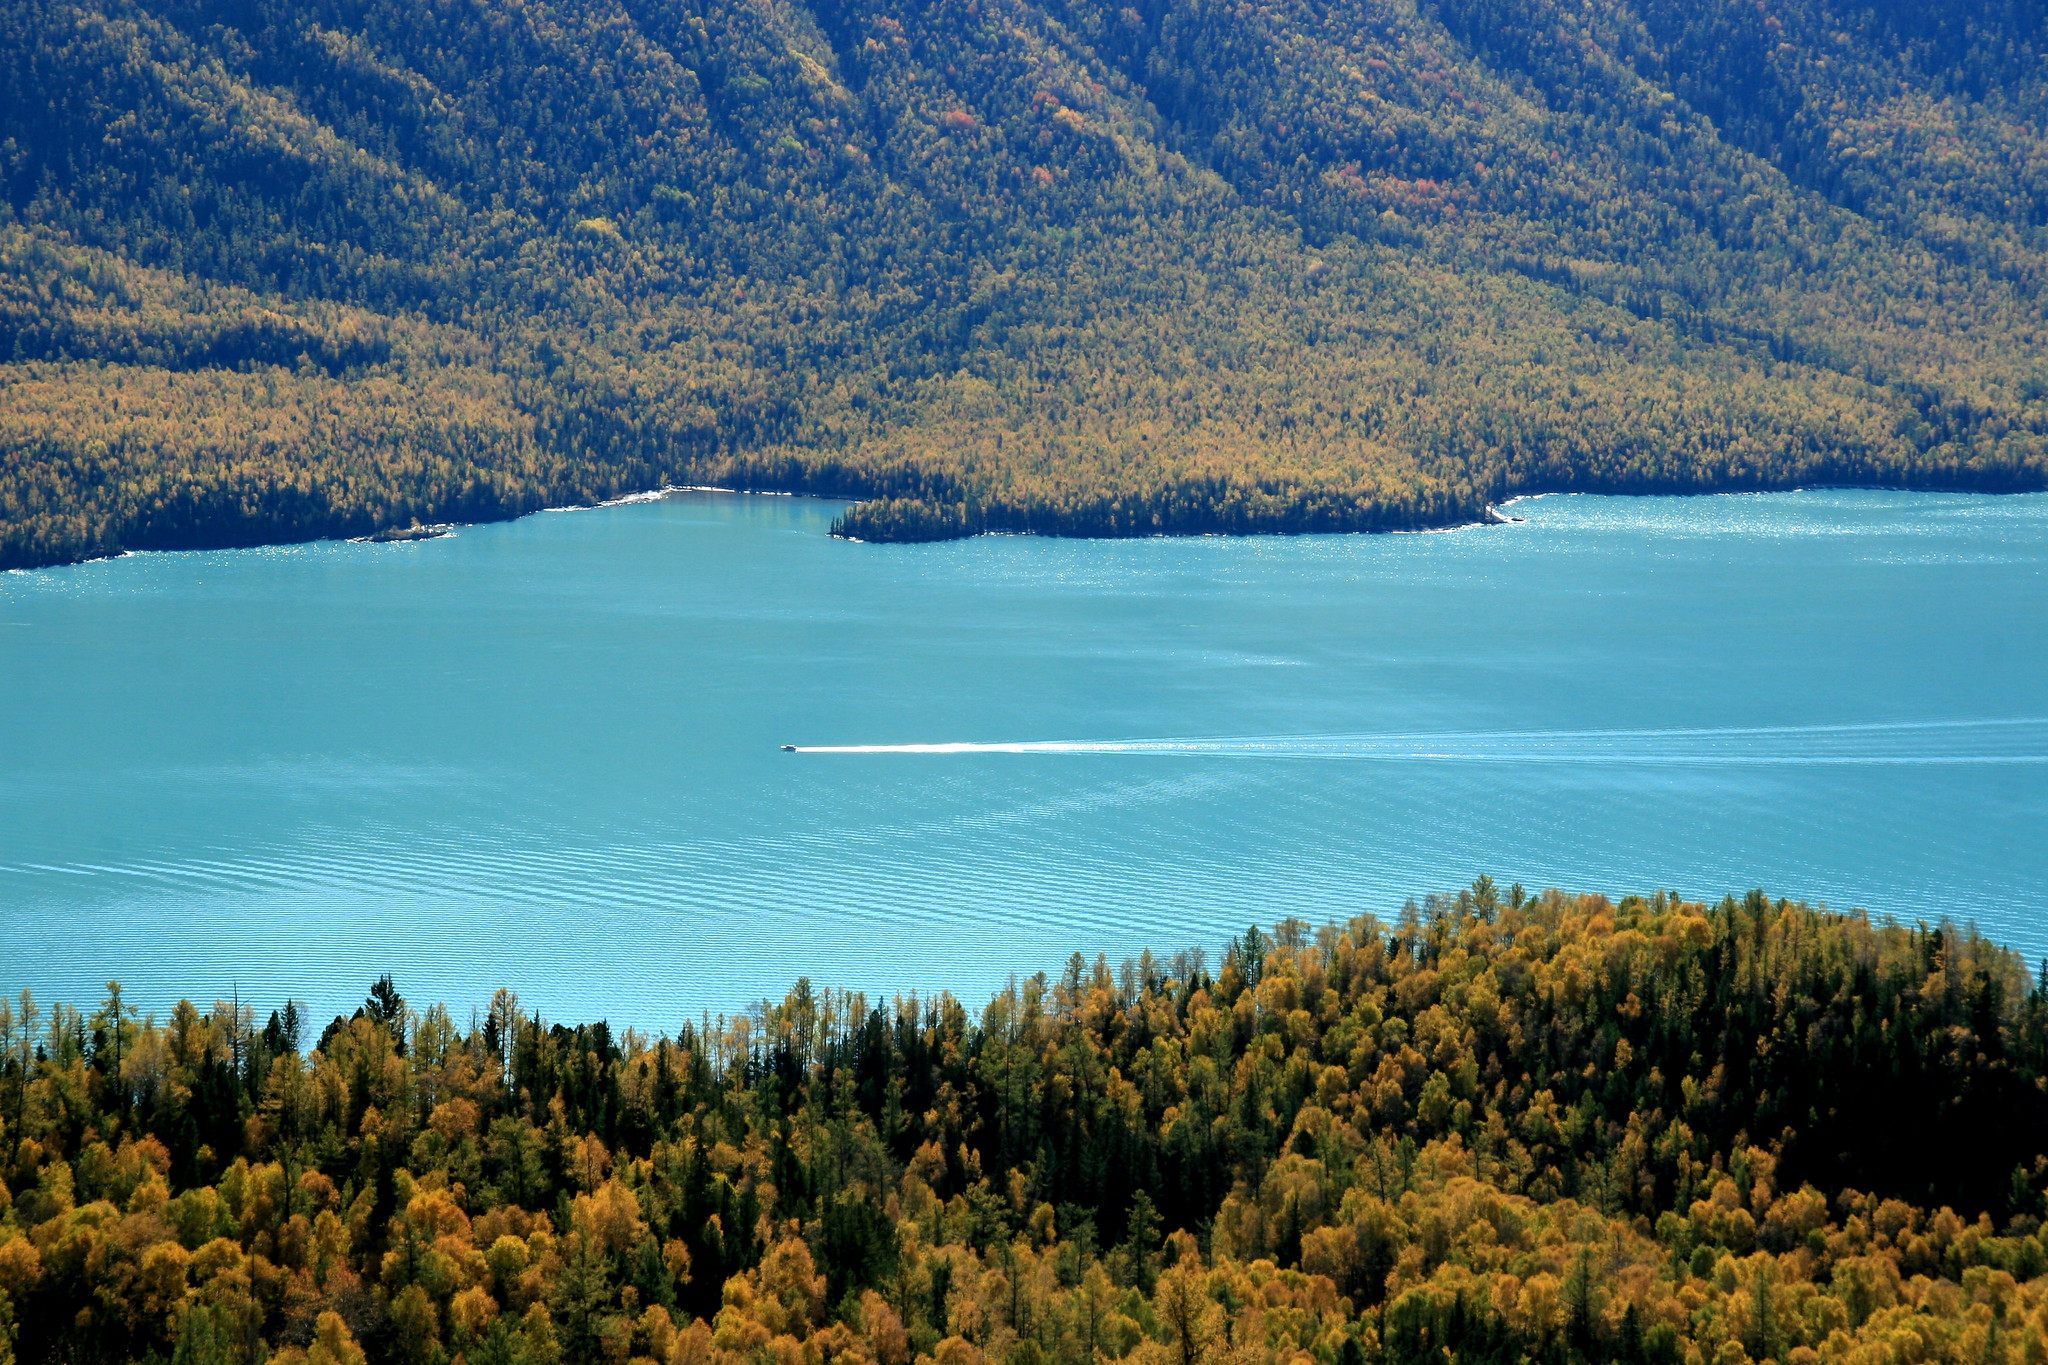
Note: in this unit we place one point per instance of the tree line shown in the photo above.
(1500, 1127)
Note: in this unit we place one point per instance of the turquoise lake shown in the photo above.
(546, 754)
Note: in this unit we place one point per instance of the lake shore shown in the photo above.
(850, 527)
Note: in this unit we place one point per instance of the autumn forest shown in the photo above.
(1500, 1128)
(279, 269)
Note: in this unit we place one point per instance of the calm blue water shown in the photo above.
(546, 754)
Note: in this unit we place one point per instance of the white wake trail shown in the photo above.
(1883, 743)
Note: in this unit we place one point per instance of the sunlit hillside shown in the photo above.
(282, 268)
(1503, 1129)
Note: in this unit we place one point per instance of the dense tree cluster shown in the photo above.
(270, 268)
(1498, 1129)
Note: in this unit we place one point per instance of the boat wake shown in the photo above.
(1879, 743)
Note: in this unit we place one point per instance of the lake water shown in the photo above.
(547, 755)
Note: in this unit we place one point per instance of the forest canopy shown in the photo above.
(1499, 1128)
(274, 269)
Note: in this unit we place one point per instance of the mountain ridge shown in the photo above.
(277, 269)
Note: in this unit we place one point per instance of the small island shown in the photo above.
(392, 535)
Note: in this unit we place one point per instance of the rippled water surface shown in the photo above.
(547, 754)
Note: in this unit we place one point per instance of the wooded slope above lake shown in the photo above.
(1502, 1129)
(283, 268)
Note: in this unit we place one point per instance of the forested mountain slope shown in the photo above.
(1501, 1130)
(278, 268)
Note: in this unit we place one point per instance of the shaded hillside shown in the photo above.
(279, 268)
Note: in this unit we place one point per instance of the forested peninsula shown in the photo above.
(1500, 1128)
(279, 269)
